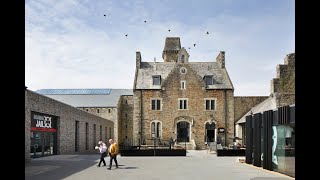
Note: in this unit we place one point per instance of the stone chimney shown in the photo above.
(138, 59)
(171, 49)
(220, 59)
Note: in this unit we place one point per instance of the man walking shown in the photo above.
(103, 151)
(113, 152)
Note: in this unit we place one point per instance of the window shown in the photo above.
(156, 80)
(109, 110)
(98, 110)
(183, 103)
(183, 85)
(126, 126)
(77, 137)
(110, 133)
(126, 102)
(156, 129)
(106, 133)
(100, 133)
(209, 80)
(94, 135)
(153, 128)
(126, 116)
(210, 104)
(87, 109)
(155, 104)
(182, 58)
(87, 136)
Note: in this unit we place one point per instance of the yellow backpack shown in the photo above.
(116, 147)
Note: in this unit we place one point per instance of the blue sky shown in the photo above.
(71, 44)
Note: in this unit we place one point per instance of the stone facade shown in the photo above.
(67, 116)
(125, 120)
(243, 104)
(196, 92)
(283, 86)
(110, 113)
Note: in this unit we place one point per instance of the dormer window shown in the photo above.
(156, 80)
(208, 80)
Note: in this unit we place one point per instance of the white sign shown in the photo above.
(44, 122)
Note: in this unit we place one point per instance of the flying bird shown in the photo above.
(104, 15)
(207, 32)
(194, 45)
(145, 21)
(189, 48)
(126, 35)
(169, 30)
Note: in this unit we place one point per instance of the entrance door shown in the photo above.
(183, 131)
(42, 144)
(210, 132)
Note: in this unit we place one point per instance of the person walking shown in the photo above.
(103, 151)
(113, 152)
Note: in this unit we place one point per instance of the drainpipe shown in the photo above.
(225, 117)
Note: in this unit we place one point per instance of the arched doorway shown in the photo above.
(183, 131)
(210, 132)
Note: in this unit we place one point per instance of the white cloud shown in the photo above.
(70, 44)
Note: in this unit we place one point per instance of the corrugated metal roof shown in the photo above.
(73, 91)
(91, 100)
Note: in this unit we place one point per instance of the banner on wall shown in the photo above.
(43, 122)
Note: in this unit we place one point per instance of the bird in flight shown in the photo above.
(189, 48)
(207, 32)
(169, 30)
(126, 35)
(194, 45)
(145, 21)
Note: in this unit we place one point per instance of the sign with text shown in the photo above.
(221, 130)
(43, 122)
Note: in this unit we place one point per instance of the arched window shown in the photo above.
(153, 128)
(158, 129)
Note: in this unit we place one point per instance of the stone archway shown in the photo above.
(210, 131)
(183, 131)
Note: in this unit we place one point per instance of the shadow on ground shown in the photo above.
(268, 178)
(61, 166)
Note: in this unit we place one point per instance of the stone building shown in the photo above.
(111, 104)
(282, 93)
(53, 127)
(188, 101)
(182, 99)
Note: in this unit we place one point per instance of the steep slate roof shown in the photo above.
(148, 69)
(268, 104)
(91, 99)
(172, 43)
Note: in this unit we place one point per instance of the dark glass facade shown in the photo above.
(270, 140)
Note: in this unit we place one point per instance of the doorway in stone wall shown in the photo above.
(210, 132)
(183, 131)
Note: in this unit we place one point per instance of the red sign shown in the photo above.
(43, 129)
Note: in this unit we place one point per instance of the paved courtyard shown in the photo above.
(196, 165)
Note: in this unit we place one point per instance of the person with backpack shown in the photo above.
(103, 151)
(113, 152)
